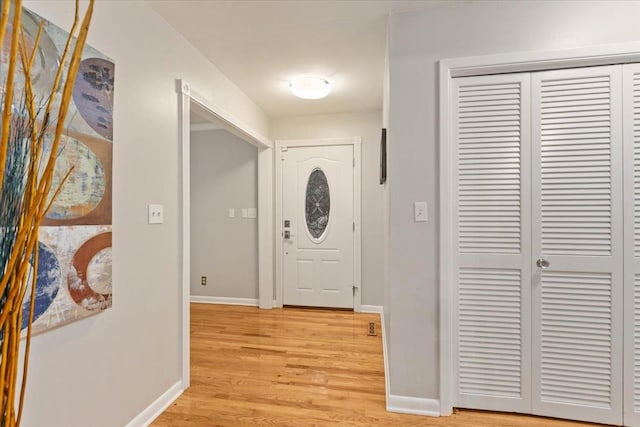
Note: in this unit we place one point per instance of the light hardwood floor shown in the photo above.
(297, 367)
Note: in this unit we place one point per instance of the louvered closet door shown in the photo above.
(631, 95)
(577, 229)
(492, 262)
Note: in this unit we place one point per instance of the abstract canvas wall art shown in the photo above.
(74, 251)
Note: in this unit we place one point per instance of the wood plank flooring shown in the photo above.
(297, 367)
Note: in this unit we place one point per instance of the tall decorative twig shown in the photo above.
(27, 167)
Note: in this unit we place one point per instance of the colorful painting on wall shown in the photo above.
(74, 253)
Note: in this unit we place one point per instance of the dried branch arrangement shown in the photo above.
(29, 140)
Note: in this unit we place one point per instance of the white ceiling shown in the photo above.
(261, 44)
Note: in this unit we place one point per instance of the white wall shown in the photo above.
(366, 125)
(385, 203)
(417, 41)
(224, 174)
(104, 370)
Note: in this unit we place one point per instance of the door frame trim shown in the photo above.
(186, 97)
(476, 66)
(356, 142)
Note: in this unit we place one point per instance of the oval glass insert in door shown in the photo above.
(317, 203)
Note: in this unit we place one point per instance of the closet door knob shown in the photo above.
(542, 263)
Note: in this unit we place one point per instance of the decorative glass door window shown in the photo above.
(317, 203)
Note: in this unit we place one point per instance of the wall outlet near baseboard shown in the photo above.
(372, 329)
(203, 280)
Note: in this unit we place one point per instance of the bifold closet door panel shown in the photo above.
(492, 342)
(631, 96)
(577, 264)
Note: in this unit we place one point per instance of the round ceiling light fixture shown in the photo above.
(310, 87)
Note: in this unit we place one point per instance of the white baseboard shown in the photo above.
(157, 407)
(378, 309)
(224, 300)
(370, 309)
(413, 405)
(385, 357)
(395, 403)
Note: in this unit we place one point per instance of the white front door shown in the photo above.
(318, 226)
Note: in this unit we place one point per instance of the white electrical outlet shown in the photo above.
(420, 212)
(156, 214)
(252, 213)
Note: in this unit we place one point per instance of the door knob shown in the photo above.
(542, 263)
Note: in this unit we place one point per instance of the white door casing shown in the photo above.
(577, 229)
(320, 262)
(492, 240)
(186, 98)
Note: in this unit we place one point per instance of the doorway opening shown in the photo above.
(224, 220)
(210, 113)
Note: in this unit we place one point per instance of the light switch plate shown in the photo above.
(420, 212)
(232, 213)
(244, 213)
(252, 213)
(156, 214)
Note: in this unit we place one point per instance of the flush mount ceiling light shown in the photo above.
(310, 87)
